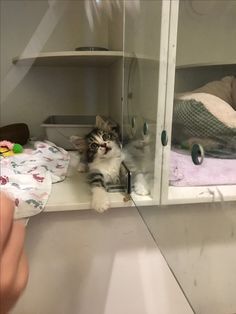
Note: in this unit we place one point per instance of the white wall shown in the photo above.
(115, 42)
(142, 27)
(115, 11)
(82, 262)
(31, 94)
(191, 78)
(206, 31)
(142, 40)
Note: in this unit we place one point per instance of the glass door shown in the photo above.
(199, 240)
(145, 70)
(201, 163)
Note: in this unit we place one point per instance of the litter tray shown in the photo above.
(60, 128)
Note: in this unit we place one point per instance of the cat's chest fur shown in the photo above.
(110, 168)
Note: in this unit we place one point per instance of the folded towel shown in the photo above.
(221, 89)
(215, 105)
(28, 177)
(225, 89)
(211, 172)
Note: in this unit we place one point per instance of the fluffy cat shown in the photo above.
(103, 154)
(139, 158)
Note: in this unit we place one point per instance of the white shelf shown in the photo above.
(205, 64)
(201, 194)
(141, 57)
(70, 58)
(74, 194)
(77, 58)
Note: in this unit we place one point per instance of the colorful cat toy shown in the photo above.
(8, 148)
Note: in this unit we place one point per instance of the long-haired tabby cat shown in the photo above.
(101, 154)
(104, 156)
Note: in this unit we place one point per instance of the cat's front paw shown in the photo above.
(100, 201)
(140, 189)
(141, 186)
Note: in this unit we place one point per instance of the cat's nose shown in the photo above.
(103, 145)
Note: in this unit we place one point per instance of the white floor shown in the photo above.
(85, 263)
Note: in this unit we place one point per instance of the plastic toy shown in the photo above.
(8, 148)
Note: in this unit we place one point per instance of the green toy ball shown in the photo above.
(17, 149)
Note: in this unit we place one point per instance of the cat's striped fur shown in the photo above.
(104, 157)
(101, 153)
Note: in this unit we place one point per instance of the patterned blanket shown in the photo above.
(28, 177)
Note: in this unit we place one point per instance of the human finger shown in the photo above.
(11, 255)
(9, 297)
(21, 278)
(6, 218)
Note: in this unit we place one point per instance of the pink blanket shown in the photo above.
(212, 171)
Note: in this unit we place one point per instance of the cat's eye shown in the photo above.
(94, 146)
(106, 137)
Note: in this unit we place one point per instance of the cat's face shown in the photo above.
(102, 145)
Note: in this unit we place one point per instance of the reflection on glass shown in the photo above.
(199, 240)
(141, 65)
(204, 110)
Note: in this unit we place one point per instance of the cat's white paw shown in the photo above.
(140, 189)
(100, 201)
(141, 185)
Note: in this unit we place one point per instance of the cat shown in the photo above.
(139, 158)
(101, 154)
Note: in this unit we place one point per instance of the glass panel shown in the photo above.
(204, 114)
(141, 80)
(199, 244)
(61, 66)
(199, 240)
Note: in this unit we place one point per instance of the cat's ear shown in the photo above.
(102, 124)
(79, 143)
(116, 131)
(107, 125)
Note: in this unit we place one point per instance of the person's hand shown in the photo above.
(13, 262)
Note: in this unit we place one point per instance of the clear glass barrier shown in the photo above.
(141, 79)
(47, 67)
(204, 113)
(199, 240)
